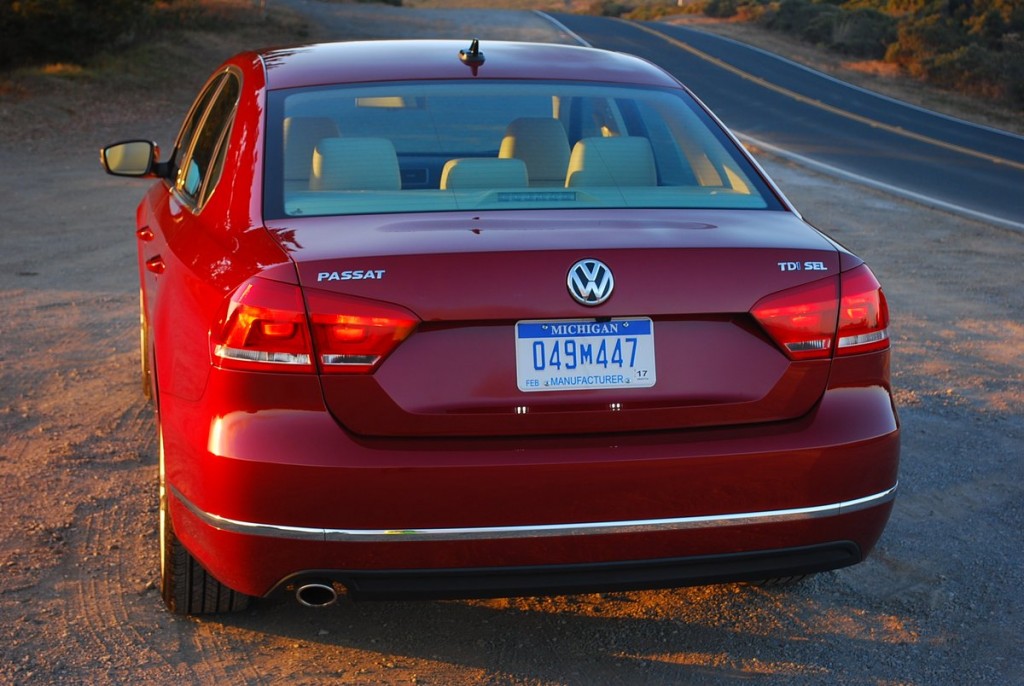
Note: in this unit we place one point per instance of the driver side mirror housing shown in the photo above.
(135, 158)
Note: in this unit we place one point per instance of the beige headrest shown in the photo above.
(483, 172)
(541, 143)
(619, 161)
(355, 164)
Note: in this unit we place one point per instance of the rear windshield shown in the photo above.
(480, 145)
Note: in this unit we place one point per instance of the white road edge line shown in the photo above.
(823, 168)
(563, 28)
(861, 89)
(878, 185)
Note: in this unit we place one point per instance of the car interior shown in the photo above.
(404, 148)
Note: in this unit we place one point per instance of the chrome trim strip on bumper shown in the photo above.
(538, 530)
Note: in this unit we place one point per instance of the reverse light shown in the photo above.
(265, 328)
(814, 320)
(863, 314)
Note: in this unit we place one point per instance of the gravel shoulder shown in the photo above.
(937, 603)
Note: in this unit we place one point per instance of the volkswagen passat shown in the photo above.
(427, 319)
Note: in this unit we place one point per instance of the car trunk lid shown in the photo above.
(503, 348)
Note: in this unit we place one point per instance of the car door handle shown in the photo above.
(156, 265)
(145, 234)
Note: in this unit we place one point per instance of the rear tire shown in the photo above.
(187, 588)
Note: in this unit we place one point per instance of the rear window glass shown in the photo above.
(443, 146)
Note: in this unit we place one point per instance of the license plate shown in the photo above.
(585, 354)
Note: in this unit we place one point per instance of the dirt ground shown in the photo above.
(938, 602)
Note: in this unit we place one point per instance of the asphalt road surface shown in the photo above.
(974, 170)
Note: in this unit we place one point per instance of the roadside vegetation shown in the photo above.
(971, 48)
(974, 47)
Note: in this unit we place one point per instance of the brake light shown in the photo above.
(811, 320)
(265, 328)
(863, 314)
(801, 320)
(352, 336)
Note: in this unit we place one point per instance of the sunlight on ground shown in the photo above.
(720, 661)
(733, 607)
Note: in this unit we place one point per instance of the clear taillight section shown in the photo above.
(863, 314)
(265, 328)
(815, 320)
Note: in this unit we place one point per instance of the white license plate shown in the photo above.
(585, 354)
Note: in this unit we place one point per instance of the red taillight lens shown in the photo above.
(352, 336)
(801, 320)
(806, 320)
(264, 329)
(863, 314)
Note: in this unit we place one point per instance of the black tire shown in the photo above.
(187, 588)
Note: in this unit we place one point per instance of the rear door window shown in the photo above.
(203, 142)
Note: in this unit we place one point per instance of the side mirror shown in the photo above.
(131, 158)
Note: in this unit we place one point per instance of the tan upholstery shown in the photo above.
(355, 164)
(301, 135)
(542, 144)
(617, 161)
(483, 172)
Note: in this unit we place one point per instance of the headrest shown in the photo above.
(483, 172)
(541, 143)
(355, 164)
(618, 161)
(300, 137)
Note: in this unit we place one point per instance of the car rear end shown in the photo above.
(481, 381)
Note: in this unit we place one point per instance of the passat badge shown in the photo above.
(590, 282)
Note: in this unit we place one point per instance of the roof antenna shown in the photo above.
(472, 58)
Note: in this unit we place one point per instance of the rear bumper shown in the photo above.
(267, 494)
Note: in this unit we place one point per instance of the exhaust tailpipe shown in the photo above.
(316, 594)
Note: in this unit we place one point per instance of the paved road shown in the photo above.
(805, 113)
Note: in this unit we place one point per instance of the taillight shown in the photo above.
(810, 321)
(265, 328)
(863, 314)
(352, 336)
(801, 320)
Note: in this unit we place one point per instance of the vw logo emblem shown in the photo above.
(590, 282)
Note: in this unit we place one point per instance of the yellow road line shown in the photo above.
(823, 106)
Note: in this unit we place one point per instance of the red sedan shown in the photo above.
(427, 319)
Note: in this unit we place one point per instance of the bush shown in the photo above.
(863, 33)
(975, 46)
(607, 8)
(652, 11)
(721, 9)
(40, 31)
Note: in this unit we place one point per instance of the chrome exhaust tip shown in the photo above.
(316, 594)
